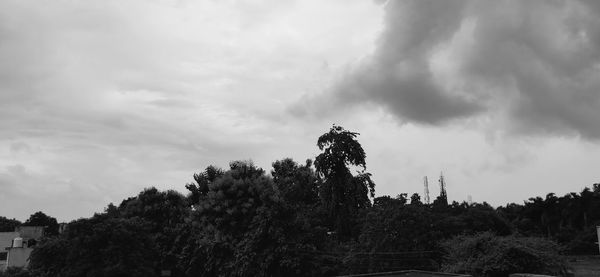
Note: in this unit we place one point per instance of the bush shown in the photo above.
(582, 242)
(488, 255)
(15, 272)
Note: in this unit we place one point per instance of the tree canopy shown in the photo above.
(310, 219)
(343, 193)
(41, 219)
(8, 225)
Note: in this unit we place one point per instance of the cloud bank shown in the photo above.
(515, 67)
(99, 99)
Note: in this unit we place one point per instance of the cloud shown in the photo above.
(516, 67)
(99, 99)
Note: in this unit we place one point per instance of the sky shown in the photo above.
(101, 99)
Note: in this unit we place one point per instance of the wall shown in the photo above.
(30, 232)
(6, 239)
(18, 256)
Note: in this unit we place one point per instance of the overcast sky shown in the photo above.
(100, 99)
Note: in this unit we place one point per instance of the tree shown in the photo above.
(343, 194)
(161, 209)
(164, 213)
(415, 199)
(242, 227)
(298, 184)
(391, 226)
(99, 246)
(41, 219)
(203, 179)
(8, 225)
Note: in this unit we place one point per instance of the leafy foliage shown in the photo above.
(98, 246)
(202, 180)
(41, 219)
(245, 229)
(342, 193)
(297, 184)
(8, 225)
(15, 272)
(569, 219)
(488, 255)
(164, 214)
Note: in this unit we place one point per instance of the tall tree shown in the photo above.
(41, 219)
(343, 194)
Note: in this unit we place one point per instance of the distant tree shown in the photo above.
(403, 198)
(41, 219)
(476, 218)
(343, 193)
(415, 199)
(570, 219)
(587, 201)
(440, 203)
(8, 225)
(392, 226)
(99, 246)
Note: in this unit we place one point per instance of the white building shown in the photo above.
(15, 247)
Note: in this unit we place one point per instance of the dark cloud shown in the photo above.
(527, 67)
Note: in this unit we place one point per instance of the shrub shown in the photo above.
(15, 272)
(488, 255)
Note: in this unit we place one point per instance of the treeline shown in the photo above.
(314, 219)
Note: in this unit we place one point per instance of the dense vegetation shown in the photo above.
(486, 254)
(312, 219)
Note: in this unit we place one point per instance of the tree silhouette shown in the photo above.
(298, 184)
(343, 194)
(8, 225)
(41, 219)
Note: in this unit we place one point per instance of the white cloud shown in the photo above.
(99, 99)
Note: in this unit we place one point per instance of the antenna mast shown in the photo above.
(426, 184)
(443, 186)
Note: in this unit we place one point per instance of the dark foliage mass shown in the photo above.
(486, 254)
(41, 219)
(8, 225)
(99, 246)
(311, 219)
(343, 193)
(15, 272)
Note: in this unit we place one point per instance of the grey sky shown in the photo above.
(99, 99)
